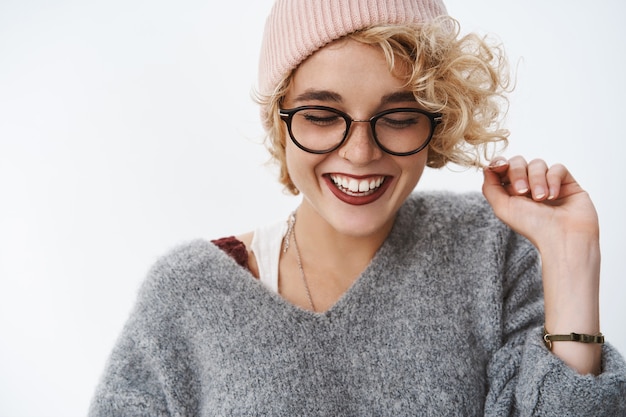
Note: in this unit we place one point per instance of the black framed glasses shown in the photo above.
(321, 129)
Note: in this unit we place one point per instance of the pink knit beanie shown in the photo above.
(297, 28)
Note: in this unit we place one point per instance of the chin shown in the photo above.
(362, 221)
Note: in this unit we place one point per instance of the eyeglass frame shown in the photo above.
(287, 116)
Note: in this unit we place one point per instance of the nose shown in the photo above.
(360, 147)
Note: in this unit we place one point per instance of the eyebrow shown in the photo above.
(327, 95)
(319, 95)
(398, 97)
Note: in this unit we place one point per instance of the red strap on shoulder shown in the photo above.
(235, 248)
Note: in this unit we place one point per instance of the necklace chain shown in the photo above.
(291, 235)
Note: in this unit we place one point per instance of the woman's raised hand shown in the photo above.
(544, 204)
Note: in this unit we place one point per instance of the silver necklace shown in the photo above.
(291, 234)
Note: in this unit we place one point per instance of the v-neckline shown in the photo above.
(342, 304)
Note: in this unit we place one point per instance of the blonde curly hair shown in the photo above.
(463, 77)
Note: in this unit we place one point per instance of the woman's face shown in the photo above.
(358, 188)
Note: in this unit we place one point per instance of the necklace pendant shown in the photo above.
(290, 223)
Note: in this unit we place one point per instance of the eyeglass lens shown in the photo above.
(323, 129)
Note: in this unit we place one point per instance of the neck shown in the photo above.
(324, 262)
(332, 248)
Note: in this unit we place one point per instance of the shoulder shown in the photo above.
(447, 200)
(189, 257)
(460, 236)
(185, 269)
(439, 208)
(459, 221)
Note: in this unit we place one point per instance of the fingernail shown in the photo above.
(539, 193)
(498, 163)
(521, 187)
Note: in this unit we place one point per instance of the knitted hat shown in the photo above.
(297, 28)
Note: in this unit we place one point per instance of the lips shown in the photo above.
(357, 190)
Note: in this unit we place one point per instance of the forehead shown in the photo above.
(346, 69)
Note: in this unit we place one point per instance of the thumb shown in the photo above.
(493, 190)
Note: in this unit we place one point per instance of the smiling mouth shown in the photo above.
(357, 187)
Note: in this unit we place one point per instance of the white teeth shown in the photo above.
(354, 186)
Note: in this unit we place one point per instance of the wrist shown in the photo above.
(571, 280)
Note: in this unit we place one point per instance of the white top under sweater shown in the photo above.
(266, 245)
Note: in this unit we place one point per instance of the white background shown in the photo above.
(126, 127)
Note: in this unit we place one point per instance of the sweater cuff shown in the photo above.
(548, 386)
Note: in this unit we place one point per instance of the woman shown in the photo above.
(371, 300)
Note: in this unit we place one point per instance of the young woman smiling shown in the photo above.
(371, 299)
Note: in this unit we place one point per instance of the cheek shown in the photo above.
(299, 164)
(413, 167)
(291, 159)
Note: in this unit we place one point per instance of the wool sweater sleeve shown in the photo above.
(525, 377)
(150, 371)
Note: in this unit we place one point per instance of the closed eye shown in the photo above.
(400, 122)
(321, 118)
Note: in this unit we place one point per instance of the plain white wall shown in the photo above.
(126, 127)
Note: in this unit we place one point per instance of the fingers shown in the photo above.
(533, 178)
(493, 188)
(518, 174)
(556, 177)
(538, 184)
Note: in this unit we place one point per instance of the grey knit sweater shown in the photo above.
(445, 321)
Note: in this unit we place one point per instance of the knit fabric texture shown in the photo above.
(297, 28)
(445, 321)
